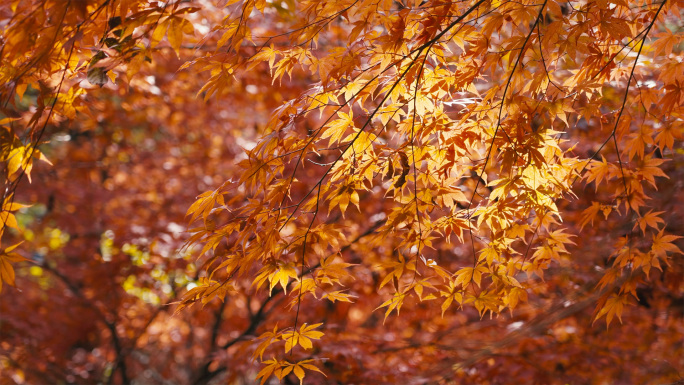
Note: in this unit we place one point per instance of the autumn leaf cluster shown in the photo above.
(360, 169)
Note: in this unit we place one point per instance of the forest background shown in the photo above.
(357, 191)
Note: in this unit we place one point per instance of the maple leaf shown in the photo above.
(666, 137)
(298, 369)
(21, 159)
(451, 293)
(398, 267)
(665, 41)
(282, 276)
(302, 337)
(338, 127)
(612, 307)
(7, 219)
(331, 272)
(272, 366)
(650, 219)
(268, 339)
(599, 170)
(662, 244)
(6, 270)
(392, 304)
(467, 275)
(337, 296)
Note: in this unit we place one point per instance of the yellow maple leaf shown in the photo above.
(6, 269)
(612, 307)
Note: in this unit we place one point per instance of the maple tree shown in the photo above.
(384, 191)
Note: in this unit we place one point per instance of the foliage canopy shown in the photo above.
(382, 189)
